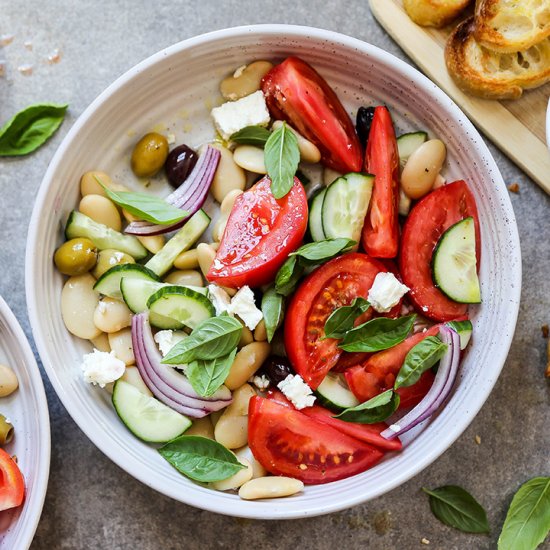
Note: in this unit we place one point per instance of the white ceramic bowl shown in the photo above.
(27, 409)
(177, 87)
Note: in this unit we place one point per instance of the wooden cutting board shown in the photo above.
(517, 127)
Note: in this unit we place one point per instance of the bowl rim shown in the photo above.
(271, 511)
(35, 503)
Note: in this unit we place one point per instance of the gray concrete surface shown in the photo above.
(91, 503)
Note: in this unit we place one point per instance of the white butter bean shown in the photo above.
(246, 338)
(260, 333)
(404, 203)
(229, 175)
(270, 487)
(78, 303)
(422, 168)
(109, 258)
(101, 210)
(329, 175)
(129, 217)
(121, 344)
(440, 181)
(9, 382)
(112, 315)
(309, 152)
(228, 202)
(245, 80)
(245, 453)
(202, 427)
(250, 158)
(187, 260)
(236, 480)
(231, 429)
(101, 342)
(186, 277)
(247, 361)
(132, 376)
(205, 255)
(153, 243)
(90, 186)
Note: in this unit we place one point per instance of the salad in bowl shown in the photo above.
(294, 296)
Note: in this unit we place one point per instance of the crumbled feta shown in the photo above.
(233, 116)
(295, 389)
(261, 382)
(385, 292)
(219, 298)
(101, 367)
(243, 305)
(167, 339)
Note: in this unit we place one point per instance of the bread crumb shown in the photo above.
(477, 439)
(513, 188)
(545, 331)
(425, 541)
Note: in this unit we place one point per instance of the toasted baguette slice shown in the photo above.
(493, 75)
(434, 13)
(511, 25)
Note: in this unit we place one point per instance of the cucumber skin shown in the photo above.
(316, 216)
(421, 136)
(324, 402)
(129, 268)
(130, 302)
(129, 244)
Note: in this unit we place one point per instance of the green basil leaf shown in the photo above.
(251, 135)
(208, 375)
(281, 157)
(457, 508)
(211, 339)
(30, 128)
(377, 409)
(322, 251)
(378, 334)
(420, 358)
(273, 311)
(527, 523)
(145, 206)
(288, 276)
(200, 458)
(341, 319)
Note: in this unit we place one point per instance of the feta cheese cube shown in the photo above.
(167, 339)
(233, 116)
(385, 292)
(101, 367)
(219, 298)
(297, 391)
(244, 305)
(261, 382)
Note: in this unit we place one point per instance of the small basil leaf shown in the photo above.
(457, 508)
(281, 157)
(377, 409)
(527, 523)
(322, 251)
(420, 358)
(208, 375)
(341, 319)
(288, 276)
(378, 334)
(273, 311)
(200, 458)
(211, 339)
(30, 128)
(145, 207)
(251, 135)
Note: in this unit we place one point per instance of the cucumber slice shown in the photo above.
(80, 225)
(136, 292)
(183, 240)
(454, 263)
(173, 307)
(464, 330)
(109, 283)
(145, 416)
(333, 393)
(407, 144)
(345, 206)
(315, 216)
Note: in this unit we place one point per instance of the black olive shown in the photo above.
(181, 160)
(363, 123)
(276, 368)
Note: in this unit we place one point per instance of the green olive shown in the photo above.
(108, 258)
(76, 256)
(149, 155)
(6, 430)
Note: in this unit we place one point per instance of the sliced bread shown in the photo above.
(511, 25)
(434, 13)
(493, 75)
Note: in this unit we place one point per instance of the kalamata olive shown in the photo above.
(276, 368)
(179, 164)
(362, 125)
(149, 155)
(76, 256)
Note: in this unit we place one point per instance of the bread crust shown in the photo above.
(495, 27)
(434, 13)
(493, 75)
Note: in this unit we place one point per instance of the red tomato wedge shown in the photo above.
(380, 236)
(427, 221)
(12, 484)
(297, 93)
(336, 283)
(378, 372)
(260, 234)
(289, 443)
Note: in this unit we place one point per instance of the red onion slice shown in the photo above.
(189, 196)
(166, 384)
(443, 383)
